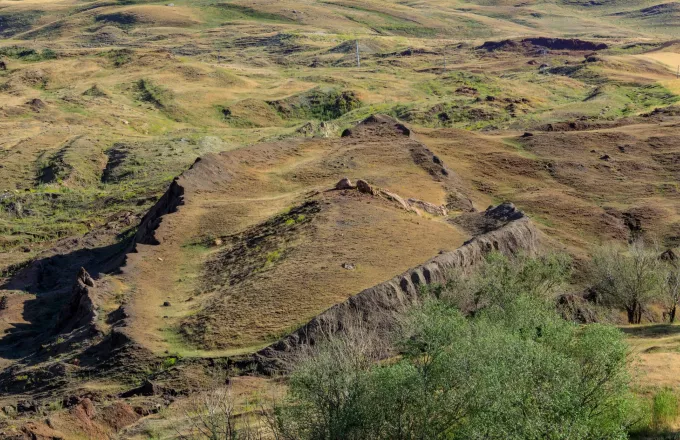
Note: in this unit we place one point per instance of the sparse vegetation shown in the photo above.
(671, 289)
(212, 415)
(629, 278)
(317, 103)
(119, 57)
(27, 54)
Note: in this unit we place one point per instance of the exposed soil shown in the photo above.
(246, 253)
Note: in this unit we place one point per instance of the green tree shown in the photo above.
(502, 278)
(512, 370)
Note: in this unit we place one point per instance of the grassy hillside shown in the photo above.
(566, 108)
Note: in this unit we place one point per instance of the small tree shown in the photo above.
(211, 415)
(329, 388)
(671, 290)
(629, 278)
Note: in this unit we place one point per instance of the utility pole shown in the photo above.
(219, 56)
(358, 58)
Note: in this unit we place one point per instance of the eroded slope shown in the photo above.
(258, 244)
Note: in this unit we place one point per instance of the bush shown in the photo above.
(671, 289)
(323, 104)
(48, 54)
(330, 390)
(501, 279)
(119, 57)
(27, 54)
(514, 370)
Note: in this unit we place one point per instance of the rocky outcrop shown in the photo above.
(385, 126)
(81, 311)
(381, 304)
(411, 205)
(565, 43)
(344, 183)
(428, 207)
(365, 188)
(171, 200)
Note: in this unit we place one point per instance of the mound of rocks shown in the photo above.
(411, 205)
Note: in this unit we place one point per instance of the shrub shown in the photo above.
(27, 54)
(119, 57)
(168, 363)
(323, 104)
(514, 369)
(501, 279)
(330, 390)
(671, 289)
(48, 54)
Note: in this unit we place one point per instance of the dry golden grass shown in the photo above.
(562, 182)
(656, 354)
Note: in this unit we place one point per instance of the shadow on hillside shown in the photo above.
(51, 280)
(651, 331)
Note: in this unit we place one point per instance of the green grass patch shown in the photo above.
(27, 54)
(318, 103)
(273, 257)
(158, 96)
(664, 410)
(119, 57)
(519, 148)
